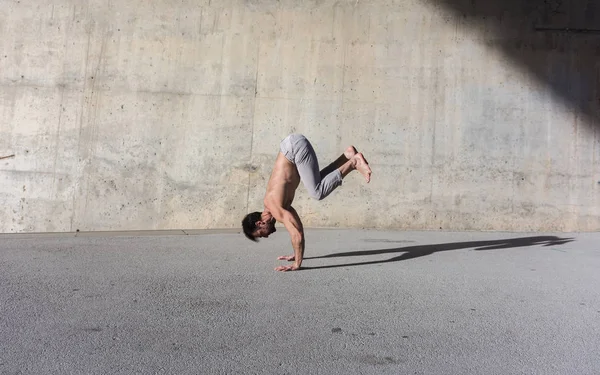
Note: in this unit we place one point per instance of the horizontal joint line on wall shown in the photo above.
(568, 30)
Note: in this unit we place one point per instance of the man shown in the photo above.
(297, 161)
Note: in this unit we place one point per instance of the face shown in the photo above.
(265, 228)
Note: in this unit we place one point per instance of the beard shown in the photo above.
(272, 225)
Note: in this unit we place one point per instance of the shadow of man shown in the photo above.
(410, 252)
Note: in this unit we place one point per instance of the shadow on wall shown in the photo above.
(557, 41)
(411, 252)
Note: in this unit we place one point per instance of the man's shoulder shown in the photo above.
(272, 204)
(276, 209)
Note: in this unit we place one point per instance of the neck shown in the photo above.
(266, 215)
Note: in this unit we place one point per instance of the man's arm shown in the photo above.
(292, 223)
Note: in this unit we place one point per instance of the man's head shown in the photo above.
(255, 225)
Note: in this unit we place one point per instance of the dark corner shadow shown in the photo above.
(411, 252)
(556, 41)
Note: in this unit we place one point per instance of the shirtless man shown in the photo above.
(297, 161)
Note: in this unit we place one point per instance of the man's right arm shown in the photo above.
(292, 223)
(294, 227)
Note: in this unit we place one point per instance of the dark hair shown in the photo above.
(249, 224)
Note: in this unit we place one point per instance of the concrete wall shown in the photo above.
(168, 114)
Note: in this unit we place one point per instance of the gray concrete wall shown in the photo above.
(168, 114)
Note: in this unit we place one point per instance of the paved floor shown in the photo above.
(369, 302)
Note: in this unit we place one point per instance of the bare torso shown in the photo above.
(282, 185)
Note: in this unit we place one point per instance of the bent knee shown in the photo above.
(317, 195)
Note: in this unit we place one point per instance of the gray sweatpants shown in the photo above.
(300, 152)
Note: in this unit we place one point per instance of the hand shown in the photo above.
(289, 258)
(287, 268)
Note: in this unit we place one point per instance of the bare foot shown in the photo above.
(362, 166)
(350, 152)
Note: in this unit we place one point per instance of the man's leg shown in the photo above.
(349, 161)
(321, 183)
(347, 155)
(359, 163)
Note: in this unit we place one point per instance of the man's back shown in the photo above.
(282, 185)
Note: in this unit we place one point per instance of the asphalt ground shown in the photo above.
(366, 302)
